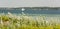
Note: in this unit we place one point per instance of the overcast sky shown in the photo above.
(29, 3)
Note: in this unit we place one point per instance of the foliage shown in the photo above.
(26, 22)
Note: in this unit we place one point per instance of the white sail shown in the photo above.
(23, 9)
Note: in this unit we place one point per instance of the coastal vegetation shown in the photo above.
(10, 21)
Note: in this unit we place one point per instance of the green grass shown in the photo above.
(26, 22)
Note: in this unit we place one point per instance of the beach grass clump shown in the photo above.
(27, 22)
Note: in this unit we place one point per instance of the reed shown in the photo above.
(27, 22)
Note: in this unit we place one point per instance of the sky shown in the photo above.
(29, 3)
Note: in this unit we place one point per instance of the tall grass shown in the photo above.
(27, 22)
